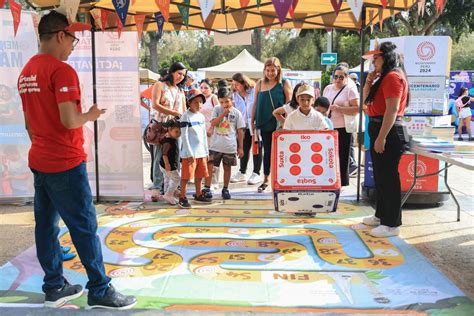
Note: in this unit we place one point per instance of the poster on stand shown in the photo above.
(313, 78)
(119, 133)
(428, 95)
(16, 179)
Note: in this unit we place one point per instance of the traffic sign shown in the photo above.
(328, 58)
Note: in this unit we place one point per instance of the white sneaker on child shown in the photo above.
(238, 177)
(371, 221)
(254, 179)
(170, 198)
(385, 231)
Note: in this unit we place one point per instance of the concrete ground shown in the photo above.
(434, 231)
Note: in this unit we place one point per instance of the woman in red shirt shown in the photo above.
(386, 96)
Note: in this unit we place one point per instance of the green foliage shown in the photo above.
(462, 56)
(326, 77)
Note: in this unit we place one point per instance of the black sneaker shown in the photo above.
(202, 198)
(111, 300)
(59, 297)
(183, 203)
(207, 193)
(225, 194)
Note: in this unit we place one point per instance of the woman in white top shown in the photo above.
(207, 89)
(169, 101)
(344, 99)
(244, 94)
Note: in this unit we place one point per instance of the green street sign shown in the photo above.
(328, 58)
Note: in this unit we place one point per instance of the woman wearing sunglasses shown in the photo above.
(344, 98)
(386, 96)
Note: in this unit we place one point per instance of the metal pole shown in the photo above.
(360, 134)
(329, 46)
(94, 101)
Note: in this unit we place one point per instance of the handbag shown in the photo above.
(351, 123)
(155, 132)
(338, 93)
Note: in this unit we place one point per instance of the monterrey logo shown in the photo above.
(420, 170)
(426, 50)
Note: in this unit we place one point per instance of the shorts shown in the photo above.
(196, 169)
(215, 158)
(465, 112)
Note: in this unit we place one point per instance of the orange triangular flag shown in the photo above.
(15, 8)
(164, 6)
(119, 25)
(139, 20)
(104, 14)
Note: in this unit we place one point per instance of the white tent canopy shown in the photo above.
(366, 66)
(244, 63)
(148, 77)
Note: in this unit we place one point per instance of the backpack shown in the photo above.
(155, 132)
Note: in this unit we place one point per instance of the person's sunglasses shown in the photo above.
(74, 43)
(341, 77)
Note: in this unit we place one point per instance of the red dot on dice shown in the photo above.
(316, 147)
(294, 148)
(295, 159)
(317, 170)
(295, 170)
(316, 158)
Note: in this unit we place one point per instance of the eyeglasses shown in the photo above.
(341, 77)
(74, 43)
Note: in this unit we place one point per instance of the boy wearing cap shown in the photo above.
(227, 138)
(51, 96)
(305, 117)
(194, 150)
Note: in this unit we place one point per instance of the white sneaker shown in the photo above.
(371, 221)
(170, 198)
(254, 179)
(238, 177)
(385, 231)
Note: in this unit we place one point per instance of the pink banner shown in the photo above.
(336, 4)
(139, 20)
(282, 7)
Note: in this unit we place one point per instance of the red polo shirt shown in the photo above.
(44, 83)
(393, 85)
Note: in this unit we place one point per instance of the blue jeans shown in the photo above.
(67, 195)
(157, 174)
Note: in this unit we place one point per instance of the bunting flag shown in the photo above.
(356, 7)
(139, 20)
(380, 19)
(439, 5)
(104, 14)
(2, 3)
(164, 6)
(384, 3)
(336, 4)
(244, 3)
(371, 18)
(160, 21)
(70, 8)
(258, 3)
(421, 7)
(206, 8)
(209, 32)
(95, 13)
(15, 8)
(119, 25)
(267, 30)
(121, 7)
(282, 7)
(177, 32)
(184, 11)
(292, 8)
(35, 17)
(329, 29)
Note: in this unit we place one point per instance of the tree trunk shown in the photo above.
(153, 48)
(258, 43)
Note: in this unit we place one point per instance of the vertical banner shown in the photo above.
(16, 180)
(119, 134)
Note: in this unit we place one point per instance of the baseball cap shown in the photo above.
(194, 93)
(354, 76)
(305, 89)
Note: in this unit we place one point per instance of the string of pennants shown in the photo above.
(282, 8)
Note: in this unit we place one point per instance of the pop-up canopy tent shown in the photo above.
(148, 77)
(244, 63)
(232, 16)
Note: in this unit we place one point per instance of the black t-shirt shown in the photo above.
(170, 149)
(466, 100)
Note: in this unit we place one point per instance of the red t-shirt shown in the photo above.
(45, 82)
(393, 85)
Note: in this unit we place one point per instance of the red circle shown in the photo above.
(295, 170)
(294, 148)
(316, 158)
(317, 170)
(295, 159)
(316, 147)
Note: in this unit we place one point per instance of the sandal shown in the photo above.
(262, 187)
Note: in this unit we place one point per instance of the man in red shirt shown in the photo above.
(51, 97)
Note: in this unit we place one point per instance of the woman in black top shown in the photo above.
(464, 113)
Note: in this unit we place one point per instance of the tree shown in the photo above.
(462, 57)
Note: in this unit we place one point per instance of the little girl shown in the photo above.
(463, 105)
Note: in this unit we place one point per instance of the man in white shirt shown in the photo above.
(305, 117)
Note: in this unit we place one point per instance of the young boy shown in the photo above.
(194, 150)
(169, 163)
(305, 117)
(322, 106)
(227, 138)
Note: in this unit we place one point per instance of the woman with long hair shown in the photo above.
(244, 93)
(271, 92)
(169, 101)
(344, 99)
(464, 113)
(386, 96)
